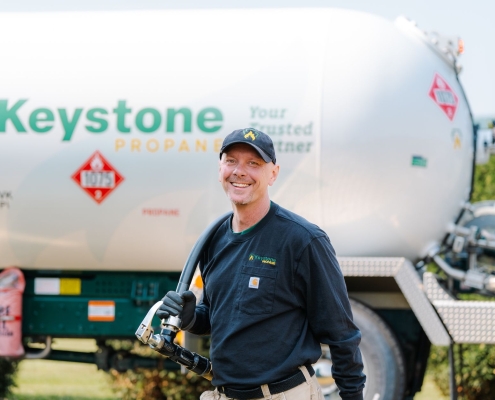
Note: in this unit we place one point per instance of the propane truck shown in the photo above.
(110, 130)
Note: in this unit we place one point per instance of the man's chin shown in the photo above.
(237, 202)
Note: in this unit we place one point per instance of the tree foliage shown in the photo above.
(475, 364)
(484, 182)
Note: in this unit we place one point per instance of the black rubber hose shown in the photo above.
(196, 252)
(192, 361)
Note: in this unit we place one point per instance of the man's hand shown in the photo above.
(175, 304)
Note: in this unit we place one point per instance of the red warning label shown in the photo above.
(97, 177)
(444, 96)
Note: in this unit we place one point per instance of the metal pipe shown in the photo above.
(40, 354)
(454, 273)
(452, 382)
(487, 283)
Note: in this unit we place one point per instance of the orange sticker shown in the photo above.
(101, 311)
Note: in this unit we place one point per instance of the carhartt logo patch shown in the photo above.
(254, 282)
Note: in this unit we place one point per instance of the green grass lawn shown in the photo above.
(56, 380)
(430, 391)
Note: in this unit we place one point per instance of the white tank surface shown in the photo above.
(111, 123)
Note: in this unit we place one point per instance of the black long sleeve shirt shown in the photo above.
(271, 296)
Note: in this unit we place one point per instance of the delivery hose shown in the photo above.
(195, 254)
(163, 343)
(194, 362)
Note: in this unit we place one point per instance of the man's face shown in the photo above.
(244, 175)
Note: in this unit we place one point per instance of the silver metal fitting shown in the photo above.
(145, 330)
(172, 323)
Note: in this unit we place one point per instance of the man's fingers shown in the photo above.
(171, 305)
(176, 297)
(162, 314)
(188, 296)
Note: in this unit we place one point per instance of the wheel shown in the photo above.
(382, 359)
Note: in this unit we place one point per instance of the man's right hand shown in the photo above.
(175, 304)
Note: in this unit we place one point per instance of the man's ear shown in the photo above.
(274, 174)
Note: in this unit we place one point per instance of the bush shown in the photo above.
(8, 369)
(154, 384)
(159, 385)
(484, 181)
(475, 367)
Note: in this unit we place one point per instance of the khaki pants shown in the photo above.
(309, 390)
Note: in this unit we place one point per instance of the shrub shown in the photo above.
(154, 384)
(8, 369)
(475, 367)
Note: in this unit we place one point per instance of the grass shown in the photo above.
(57, 380)
(430, 391)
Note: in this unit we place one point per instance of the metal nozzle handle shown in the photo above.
(145, 330)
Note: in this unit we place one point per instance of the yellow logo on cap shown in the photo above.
(250, 134)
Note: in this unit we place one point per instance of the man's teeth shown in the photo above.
(241, 185)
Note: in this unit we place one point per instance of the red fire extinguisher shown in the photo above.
(12, 285)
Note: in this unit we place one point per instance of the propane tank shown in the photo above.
(109, 136)
(12, 285)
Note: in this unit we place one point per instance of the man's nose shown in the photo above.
(239, 170)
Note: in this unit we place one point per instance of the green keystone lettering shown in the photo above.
(91, 116)
(146, 120)
(157, 120)
(69, 125)
(207, 115)
(186, 114)
(41, 115)
(121, 110)
(6, 114)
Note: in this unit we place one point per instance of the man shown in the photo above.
(273, 291)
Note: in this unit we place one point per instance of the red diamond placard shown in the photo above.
(444, 96)
(97, 177)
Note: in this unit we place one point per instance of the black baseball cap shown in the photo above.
(260, 141)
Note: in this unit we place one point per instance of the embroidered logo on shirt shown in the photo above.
(254, 282)
(264, 260)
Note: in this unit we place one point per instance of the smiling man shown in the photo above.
(273, 291)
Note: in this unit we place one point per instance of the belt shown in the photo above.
(275, 387)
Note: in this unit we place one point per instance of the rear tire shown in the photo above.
(382, 356)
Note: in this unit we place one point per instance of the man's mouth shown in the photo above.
(240, 185)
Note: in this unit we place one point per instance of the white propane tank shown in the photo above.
(111, 122)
